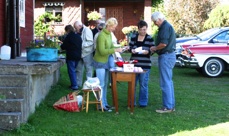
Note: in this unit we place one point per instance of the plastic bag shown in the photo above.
(93, 83)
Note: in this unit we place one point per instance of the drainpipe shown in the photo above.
(11, 30)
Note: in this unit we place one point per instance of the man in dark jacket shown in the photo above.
(73, 46)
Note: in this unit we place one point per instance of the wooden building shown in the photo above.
(17, 17)
(127, 12)
(16, 24)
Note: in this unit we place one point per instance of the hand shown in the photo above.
(127, 47)
(133, 51)
(118, 49)
(143, 52)
(153, 49)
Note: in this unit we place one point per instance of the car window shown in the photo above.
(222, 37)
(208, 34)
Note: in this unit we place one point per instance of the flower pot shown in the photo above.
(42, 54)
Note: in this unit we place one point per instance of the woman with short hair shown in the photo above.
(144, 41)
(104, 50)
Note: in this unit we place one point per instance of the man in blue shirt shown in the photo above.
(165, 47)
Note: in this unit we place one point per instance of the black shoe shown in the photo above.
(108, 107)
(105, 109)
(74, 89)
(142, 106)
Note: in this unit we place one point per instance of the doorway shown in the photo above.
(116, 12)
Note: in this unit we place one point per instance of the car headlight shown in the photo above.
(178, 48)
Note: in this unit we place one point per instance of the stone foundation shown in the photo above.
(23, 85)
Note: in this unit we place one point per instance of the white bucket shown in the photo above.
(5, 52)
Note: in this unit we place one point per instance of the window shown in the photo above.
(55, 8)
(103, 12)
(222, 37)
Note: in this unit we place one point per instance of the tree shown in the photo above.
(218, 17)
(188, 16)
(155, 3)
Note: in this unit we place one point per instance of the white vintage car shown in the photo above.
(214, 36)
(209, 59)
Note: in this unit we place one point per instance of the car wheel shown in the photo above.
(213, 67)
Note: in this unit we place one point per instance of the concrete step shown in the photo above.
(13, 80)
(9, 120)
(13, 69)
(11, 105)
(12, 92)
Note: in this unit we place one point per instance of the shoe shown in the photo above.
(74, 89)
(142, 106)
(105, 109)
(108, 107)
(165, 110)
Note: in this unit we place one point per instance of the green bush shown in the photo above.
(218, 17)
(188, 17)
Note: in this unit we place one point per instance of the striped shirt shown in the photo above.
(143, 59)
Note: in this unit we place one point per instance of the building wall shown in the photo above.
(147, 14)
(26, 34)
(132, 12)
(2, 22)
(71, 13)
(130, 18)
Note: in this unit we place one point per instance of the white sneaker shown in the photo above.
(165, 110)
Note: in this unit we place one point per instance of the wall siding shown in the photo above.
(26, 34)
(71, 13)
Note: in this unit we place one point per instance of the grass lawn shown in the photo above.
(202, 109)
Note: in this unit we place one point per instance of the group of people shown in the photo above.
(94, 49)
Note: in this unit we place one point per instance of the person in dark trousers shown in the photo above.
(165, 47)
(73, 46)
(96, 29)
(144, 41)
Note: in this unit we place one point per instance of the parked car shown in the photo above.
(214, 35)
(209, 59)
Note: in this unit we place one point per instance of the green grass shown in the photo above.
(202, 108)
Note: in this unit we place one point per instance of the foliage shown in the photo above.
(51, 42)
(42, 25)
(219, 17)
(200, 104)
(160, 8)
(94, 15)
(155, 3)
(188, 16)
(2, 96)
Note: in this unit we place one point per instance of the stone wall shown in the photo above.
(23, 86)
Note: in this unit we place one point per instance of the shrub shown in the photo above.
(218, 17)
(188, 16)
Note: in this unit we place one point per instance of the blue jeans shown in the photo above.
(143, 87)
(103, 75)
(71, 65)
(111, 65)
(166, 63)
(87, 63)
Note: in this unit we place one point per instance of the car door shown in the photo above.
(222, 37)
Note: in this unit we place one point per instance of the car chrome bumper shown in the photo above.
(188, 63)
